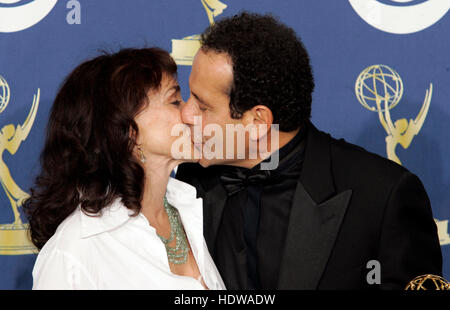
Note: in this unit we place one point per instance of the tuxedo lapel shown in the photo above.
(213, 204)
(310, 238)
(316, 216)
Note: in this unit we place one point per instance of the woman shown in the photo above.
(104, 211)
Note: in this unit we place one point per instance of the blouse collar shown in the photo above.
(181, 195)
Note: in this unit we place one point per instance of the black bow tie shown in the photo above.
(237, 180)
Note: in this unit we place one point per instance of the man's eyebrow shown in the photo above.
(200, 100)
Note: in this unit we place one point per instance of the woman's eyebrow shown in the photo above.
(175, 89)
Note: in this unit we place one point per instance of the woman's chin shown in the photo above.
(187, 157)
(190, 159)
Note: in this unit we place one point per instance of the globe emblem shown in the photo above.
(4, 94)
(378, 83)
(428, 282)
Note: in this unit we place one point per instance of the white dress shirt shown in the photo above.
(116, 251)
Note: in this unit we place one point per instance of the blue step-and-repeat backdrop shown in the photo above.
(382, 71)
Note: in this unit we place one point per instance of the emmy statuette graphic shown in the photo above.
(14, 239)
(184, 50)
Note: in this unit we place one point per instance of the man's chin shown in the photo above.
(212, 162)
(205, 163)
(190, 160)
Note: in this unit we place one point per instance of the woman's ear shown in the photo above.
(132, 134)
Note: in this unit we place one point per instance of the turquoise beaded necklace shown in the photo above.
(179, 253)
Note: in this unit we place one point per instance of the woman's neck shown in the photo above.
(157, 173)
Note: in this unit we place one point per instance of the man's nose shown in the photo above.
(188, 111)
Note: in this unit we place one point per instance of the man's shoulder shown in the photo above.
(353, 161)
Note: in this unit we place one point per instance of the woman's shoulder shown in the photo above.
(64, 249)
(78, 231)
(67, 237)
(64, 260)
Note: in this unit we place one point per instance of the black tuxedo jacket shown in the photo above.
(350, 207)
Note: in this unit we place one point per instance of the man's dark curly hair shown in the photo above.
(270, 67)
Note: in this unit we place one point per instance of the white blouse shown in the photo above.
(116, 251)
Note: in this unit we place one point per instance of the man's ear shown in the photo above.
(260, 118)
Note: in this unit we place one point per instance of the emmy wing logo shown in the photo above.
(184, 50)
(14, 236)
(379, 89)
(401, 16)
(22, 16)
(444, 237)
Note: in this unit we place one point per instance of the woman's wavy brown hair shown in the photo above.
(87, 158)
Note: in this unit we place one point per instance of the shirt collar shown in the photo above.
(179, 194)
(288, 154)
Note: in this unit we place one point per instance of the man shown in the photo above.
(330, 215)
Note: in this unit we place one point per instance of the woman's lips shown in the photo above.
(197, 141)
(198, 146)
